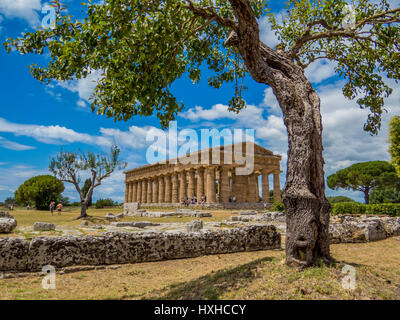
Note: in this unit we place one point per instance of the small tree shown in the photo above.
(363, 177)
(68, 166)
(9, 202)
(41, 190)
(85, 190)
(394, 141)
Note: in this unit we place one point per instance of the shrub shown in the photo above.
(348, 208)
(339, 199)
(101, 203)
(390, 209)
(278, 206)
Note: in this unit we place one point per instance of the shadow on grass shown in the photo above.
(212, 285)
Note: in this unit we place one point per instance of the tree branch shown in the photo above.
(332, 32)
(210, 14)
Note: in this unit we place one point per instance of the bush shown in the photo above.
(102, 203)
(339, 199)
(348, 208)
(390, 209)
(278, 206)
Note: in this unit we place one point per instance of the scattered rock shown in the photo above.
(353, 230)
(120, 216)
(44, 226)
(194, 226)
(7, 225)
(84, 223)
(198, 214)
(247, 213)
(134, 224)
(111, 217)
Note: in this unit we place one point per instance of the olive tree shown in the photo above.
(141, 47)
(69, 166)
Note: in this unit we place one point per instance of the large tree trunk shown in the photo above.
(307, 209)
(83, 209)
(366, 196)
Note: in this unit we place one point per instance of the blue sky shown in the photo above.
(36, 120)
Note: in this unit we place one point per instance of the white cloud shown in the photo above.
(14, 145)
(81, 104)
(267, 35)
(84, 87)
(320, 70)
(50, 134)
(24, 9)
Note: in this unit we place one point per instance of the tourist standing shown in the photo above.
(59, 208)
(52, 205)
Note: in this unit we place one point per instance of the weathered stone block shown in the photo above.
(119, 248)
(135, 224)
(44, 226)
(14, 254)
(7, 225)
(131, 207)
(194, 226)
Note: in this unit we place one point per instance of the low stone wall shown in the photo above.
(347, 229)
(120, 248)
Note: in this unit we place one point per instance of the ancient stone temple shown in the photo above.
(212, 174)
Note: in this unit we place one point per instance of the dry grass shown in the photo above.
(248, 275)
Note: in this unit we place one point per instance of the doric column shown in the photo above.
(161, 190)
(133, 192)
(252, 195)
(277, 188)
(155, 190)
(265, 187)
(168, 189)
(144, 191)
(175, 190)
(127, 192)
(191, 184)
(182, 185)
(149, 190)
(200, 183)
(139, 191)
(224, 185)
(240, 186)
(210, 184)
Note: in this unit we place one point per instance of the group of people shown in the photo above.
(232, 199)
(53, 206)
(186, 201)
